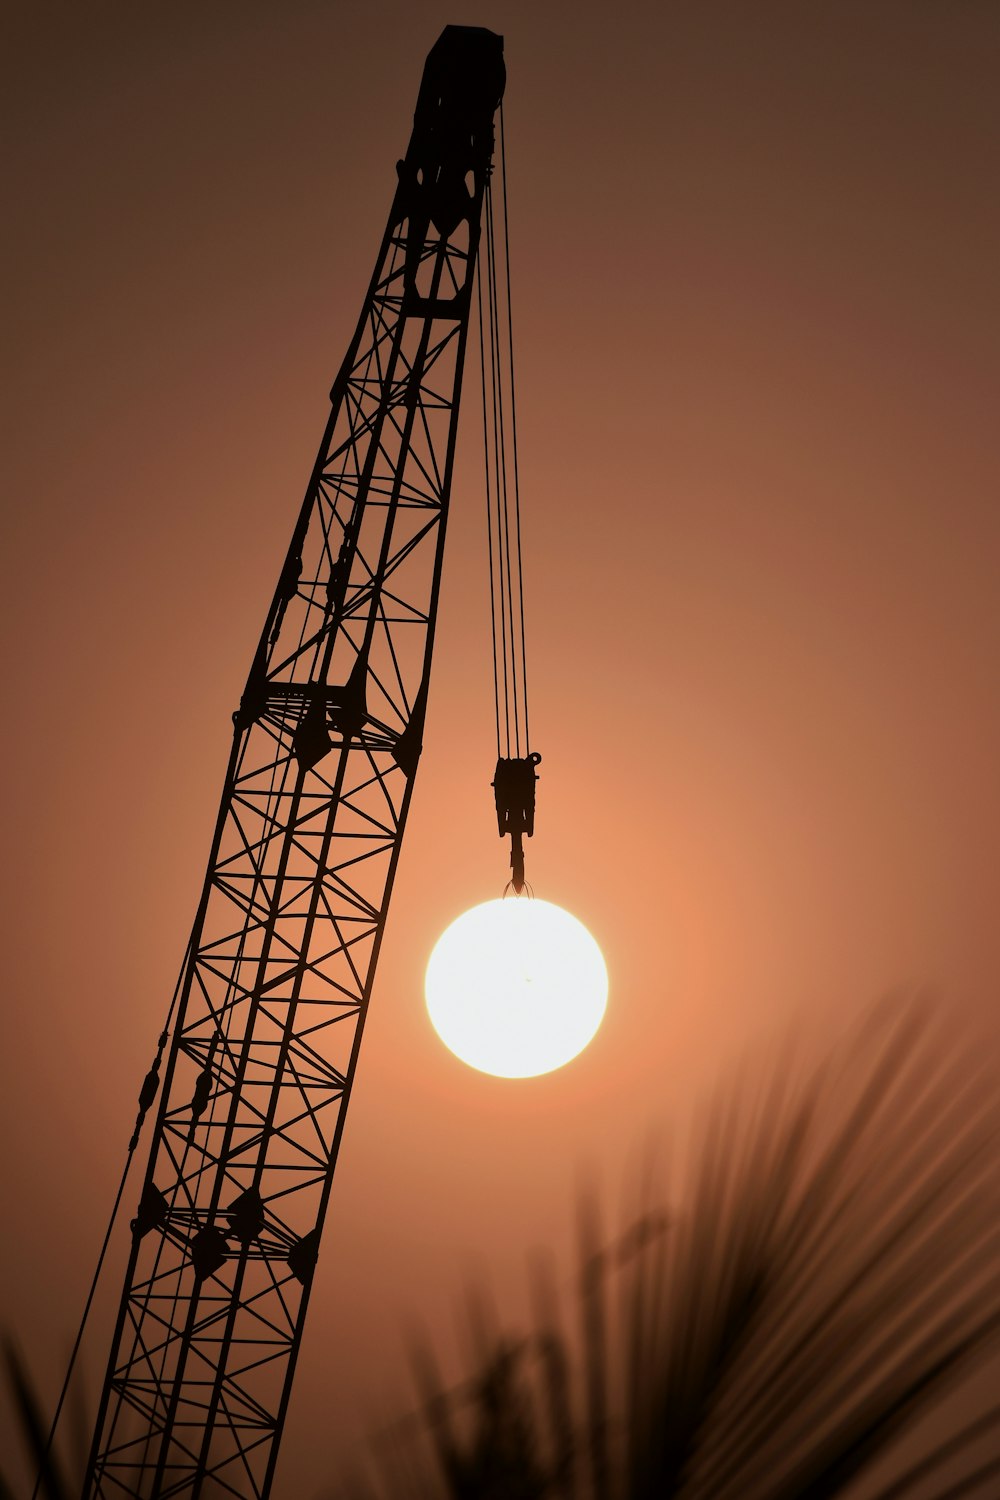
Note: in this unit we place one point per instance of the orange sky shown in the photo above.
(756, 308)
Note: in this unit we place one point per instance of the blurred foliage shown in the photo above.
(836, 1273)
(52, 1484)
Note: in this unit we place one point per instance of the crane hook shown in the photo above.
(514, 789)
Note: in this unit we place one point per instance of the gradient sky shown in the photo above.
(756, 310)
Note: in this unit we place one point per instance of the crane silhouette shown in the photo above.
(261, 1046)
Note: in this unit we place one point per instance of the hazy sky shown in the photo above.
(756, 307)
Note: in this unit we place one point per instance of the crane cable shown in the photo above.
(147, 1094)
(515, 775)
(503, 494)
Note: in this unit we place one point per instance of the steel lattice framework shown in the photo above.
(278, 976)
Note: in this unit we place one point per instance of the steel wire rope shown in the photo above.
(507, 567)
(132, 1146)
(513, 430)
(489, 510)
(497, 444)
(497, 437)
(501, 447)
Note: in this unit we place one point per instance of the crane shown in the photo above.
(260, 1049)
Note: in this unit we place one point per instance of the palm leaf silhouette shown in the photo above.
(835, 1274)
(34, 1429)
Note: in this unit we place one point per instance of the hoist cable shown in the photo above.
(43, 1462)
(513, 430)
(503, 489)
(502, 574)
(146, 1096)
(502, 447)
(500, 466)
(489, 511)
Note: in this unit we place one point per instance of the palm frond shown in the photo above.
(835, 1273)
(34, 1429)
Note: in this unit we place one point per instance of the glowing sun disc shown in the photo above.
(516, 987)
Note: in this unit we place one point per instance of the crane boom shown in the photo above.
(277, 979)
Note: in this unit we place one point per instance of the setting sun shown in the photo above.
(516, 987)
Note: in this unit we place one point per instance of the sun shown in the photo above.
(516, 987)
